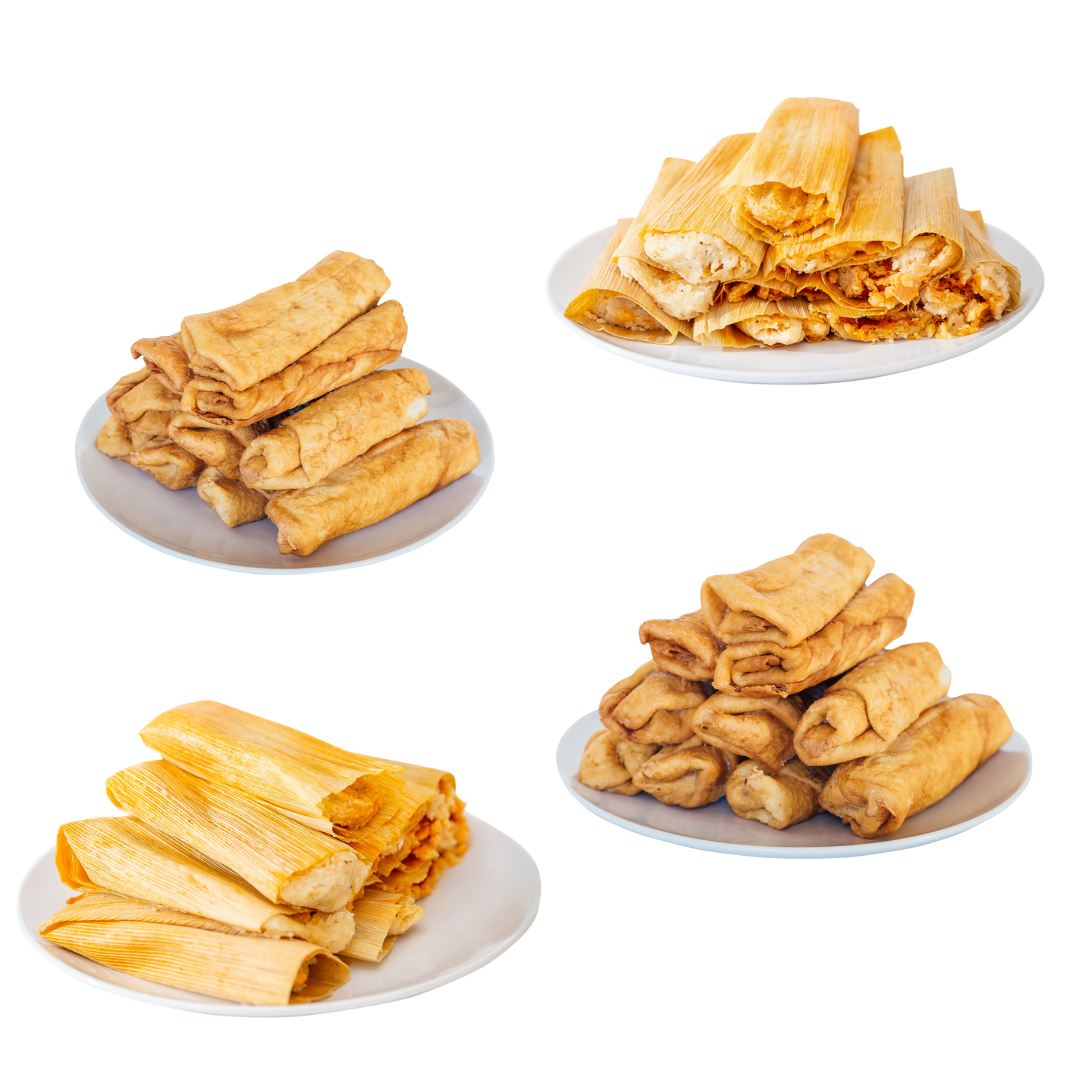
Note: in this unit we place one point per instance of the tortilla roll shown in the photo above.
(684, 646)
(651, 707)
(143, 402)
(787, 599)
(867, 708)
(875, 795)
(132, 938)
(114, 440)
(874, 617)
(690, 774)
(169, 464)
(793, 178)
(244, 344)
(369, 342)
(393, 474)
(232, 501)
(609, 763)
(756, 321)
(218, 447)
(287, 862)
(165, 357)
(308, 445)
(778, 798)
(129, 857)
(380, 918)
(758, 728)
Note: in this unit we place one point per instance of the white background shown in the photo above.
(170, 159)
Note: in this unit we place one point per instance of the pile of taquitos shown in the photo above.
(779, 694)
(255, 859)
(277, 407)
(804, 231)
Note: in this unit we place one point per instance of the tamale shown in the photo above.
(369, 342)
(611, 303)
(308, 445)
(758, 728)
(794, 175)
(755, 321)
(691, 774)
(609, 763)
(287, 862)
(129, 857)
(875, 795)
(220, 448)
(392, 475)
(133, 938)
(693, 231)
(675, 296)
(778, 798)
(872, 221)
(380, 918)
(684, 646)
(232, 501)
(651, 707)
(165, 356)
(312, 781)
(248, 342)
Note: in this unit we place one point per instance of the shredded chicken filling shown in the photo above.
(791, 211)
(897, 279)
(901, 324)
(697, 257)
(353, 807)
(967, 299)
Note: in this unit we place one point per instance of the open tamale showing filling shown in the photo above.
(255, 860)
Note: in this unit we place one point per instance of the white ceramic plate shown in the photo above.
(180, 523)
(827, 361)
(479, 909)
(715, 828)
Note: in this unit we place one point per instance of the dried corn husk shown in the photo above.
(380, 917)
(727, 323)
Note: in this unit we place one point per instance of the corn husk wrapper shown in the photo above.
(129, 857)
(606, 283)
(232, 500)
(287, 862)
(310, 780)
(380, 918)
(718, 325)
(188, 952)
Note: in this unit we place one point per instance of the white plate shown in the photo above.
(479, 909)
(827, 361)
(715, 828)
(180, 523)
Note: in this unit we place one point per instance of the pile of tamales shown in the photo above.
(778, 693)
(255, 860)
(805, 231)
(277, 407)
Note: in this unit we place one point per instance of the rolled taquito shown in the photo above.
(114, 440)
(758, 728)
(651, 706)
(611, 303)
(778, 798)
(684, 646)
(758, 322)
(390, 476)
(129, 857)
(609, 763)
(165, 356)
(143, 402)
(691, 774)
(248, 342)
(164, 947)
(672, 294)
(875, 795)
(220, 448)
(369, 342)
(232, 501)
(867, 708)
(875, 616)
(787, 599)
(308, 445)
(793, 177)
(380, 918)
(287, 862)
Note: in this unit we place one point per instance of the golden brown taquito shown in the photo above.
(778, 798)
(875, 795)
(684, 646)
(758, 728)
(787, 599)
(865, 710)
(651, 707)
(609, 763)
(114, 440)
(165, 356)
(875, 616)
(216, 446)
(310, 444)
(690, 774)
(248, 342)
(369, 342)
(232, 501)
(393, 474)
(143, 402)
(169, 464)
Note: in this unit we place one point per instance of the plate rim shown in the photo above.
(222, 1007)
(221, 564)
(679, 367)
(721, 847)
